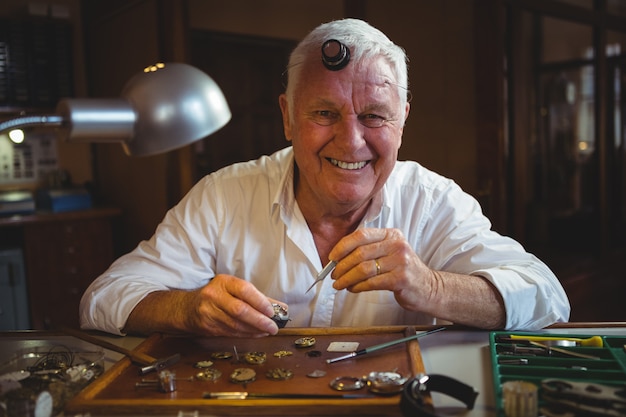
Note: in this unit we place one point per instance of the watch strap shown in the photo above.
(412, 404)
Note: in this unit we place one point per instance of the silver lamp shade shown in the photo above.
(163, 108)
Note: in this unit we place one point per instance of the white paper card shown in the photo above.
(343, 346)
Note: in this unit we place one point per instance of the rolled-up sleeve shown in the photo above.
(177, 256)
(532, 296)
(457, 237)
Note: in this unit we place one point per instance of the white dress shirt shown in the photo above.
(244, 221)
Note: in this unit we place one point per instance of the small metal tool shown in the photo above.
(383, 345)
(547, 342)
(165, 383)
(566, 352)
(242, 395)
(323, 273)
(149, 363)
(520, 361)
(160, 364)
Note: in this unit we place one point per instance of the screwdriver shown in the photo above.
(593, 341)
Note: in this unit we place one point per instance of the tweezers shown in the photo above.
(322, 274)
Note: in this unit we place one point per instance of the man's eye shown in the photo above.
(372, 120)
(324, 117)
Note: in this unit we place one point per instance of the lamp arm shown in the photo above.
(162, 108)
(96, 120)
(31, 121)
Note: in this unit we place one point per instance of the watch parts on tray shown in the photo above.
(210, 374)
(386, 383)
(255, 358)
(305, 342)
(243, 375)
(279, 374)
(283, 353)
(378, 382)
(221, 355)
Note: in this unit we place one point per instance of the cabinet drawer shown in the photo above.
(62, 258)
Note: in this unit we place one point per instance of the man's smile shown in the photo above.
(347, 165)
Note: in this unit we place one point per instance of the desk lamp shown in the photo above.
(162, 108)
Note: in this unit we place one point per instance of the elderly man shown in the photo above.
(408, 245)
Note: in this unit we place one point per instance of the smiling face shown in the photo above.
(346, 129)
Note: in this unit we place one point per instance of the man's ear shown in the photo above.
(406, 116)
(284, 108)
(406, 112)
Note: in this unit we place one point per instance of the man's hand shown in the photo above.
(229, 306)
(382, 259)
(226, 306)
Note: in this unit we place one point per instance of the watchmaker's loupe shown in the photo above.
(335, 55)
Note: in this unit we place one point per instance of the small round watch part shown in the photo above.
(279, 374)
(283, 353)
(305, 342)
(385, 382)
(255, 358)
(243, 375)
(347, 383)
(221, 355)
(203, 364)
(281, 315)
(210, 374)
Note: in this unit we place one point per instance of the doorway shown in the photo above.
(249, 72)
(551, 77)
(564, 126)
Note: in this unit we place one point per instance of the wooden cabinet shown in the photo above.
(63, 253)
(13, 295)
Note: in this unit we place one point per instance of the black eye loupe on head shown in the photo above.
(335, 55)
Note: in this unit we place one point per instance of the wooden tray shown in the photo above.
(115, 392)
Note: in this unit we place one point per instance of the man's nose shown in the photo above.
(350, 131)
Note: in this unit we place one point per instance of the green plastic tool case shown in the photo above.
(609, 369)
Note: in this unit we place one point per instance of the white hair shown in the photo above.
(363, 40)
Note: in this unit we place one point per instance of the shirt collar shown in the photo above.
(377, 208)
(284, 199)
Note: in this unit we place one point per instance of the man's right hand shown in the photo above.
(226, 306)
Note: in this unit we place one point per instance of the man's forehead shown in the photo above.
(363, 77)
(377, 84)
(375, 66)
(372, 78)
(379, 89)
